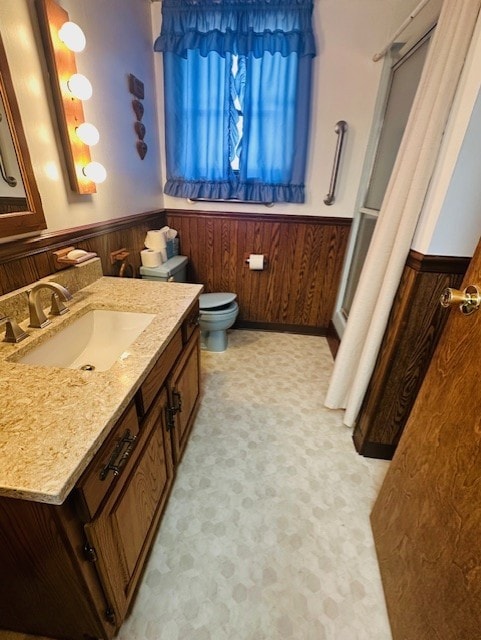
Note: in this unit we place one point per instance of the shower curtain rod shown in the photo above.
(409, 19)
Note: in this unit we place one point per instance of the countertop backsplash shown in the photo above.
(75, 278)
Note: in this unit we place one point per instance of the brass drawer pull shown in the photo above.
(128, 441)
(172, 411)
(178, 407)
(195, 321)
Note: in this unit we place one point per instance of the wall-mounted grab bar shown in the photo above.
(340, 129)
(10, 180)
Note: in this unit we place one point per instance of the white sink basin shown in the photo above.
(95, 341)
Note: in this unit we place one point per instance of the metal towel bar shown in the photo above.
(340, 129)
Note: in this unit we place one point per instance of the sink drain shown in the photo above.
(87, 367)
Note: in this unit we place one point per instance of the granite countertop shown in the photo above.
(52, 420)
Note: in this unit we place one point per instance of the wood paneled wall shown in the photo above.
(414, 328)
(297, 289)
(25, 261)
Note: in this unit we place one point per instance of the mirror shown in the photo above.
(20, 205)
(12, 193)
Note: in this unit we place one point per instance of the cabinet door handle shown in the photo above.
(120, 455)
(178, 397)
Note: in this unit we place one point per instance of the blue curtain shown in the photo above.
(227, 61)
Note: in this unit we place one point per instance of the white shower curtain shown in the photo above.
(401, 207)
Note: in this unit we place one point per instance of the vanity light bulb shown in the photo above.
(79, 86)
(88, 133)
(72, 36)
(95, 171)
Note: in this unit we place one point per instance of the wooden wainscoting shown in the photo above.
(297, 289)
(414, 328)
(25, 261)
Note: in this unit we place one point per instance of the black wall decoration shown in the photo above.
(136, 88)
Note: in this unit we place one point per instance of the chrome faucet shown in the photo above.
(13, 333)
(38, 318)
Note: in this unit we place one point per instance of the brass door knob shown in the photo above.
(468, 300)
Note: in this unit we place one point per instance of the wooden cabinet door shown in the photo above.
(46, 586)
(184, 391)
(122, 533)
(427, 518)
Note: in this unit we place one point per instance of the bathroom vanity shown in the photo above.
(88, 459)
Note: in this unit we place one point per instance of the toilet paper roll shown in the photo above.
(150, 258)
(155, 240)
(256, 261)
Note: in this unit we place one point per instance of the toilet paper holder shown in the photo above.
(247, 257)
(119, 256)
(122, 268)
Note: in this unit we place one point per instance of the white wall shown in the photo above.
(458, 227)
(346, 79)
(119, 42)
(450, 223)
(120, 35)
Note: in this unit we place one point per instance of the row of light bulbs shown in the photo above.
(80, 87)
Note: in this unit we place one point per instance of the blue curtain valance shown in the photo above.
(235, 190)
(240, 27)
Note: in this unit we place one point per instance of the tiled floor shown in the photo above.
(266, 535)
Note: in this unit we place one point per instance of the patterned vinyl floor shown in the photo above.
(266, 535)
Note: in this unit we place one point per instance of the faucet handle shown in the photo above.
(58, 308)
(13, 332)
(38, 319)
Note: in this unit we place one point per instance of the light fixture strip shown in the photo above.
(62, 65)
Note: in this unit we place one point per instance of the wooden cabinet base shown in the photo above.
(71, 571)
(48, 586)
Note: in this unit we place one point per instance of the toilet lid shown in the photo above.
(214, 300)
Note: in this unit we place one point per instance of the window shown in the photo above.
(237, 78)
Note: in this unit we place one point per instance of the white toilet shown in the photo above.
(218, 311)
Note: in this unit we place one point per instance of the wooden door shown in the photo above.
(185, 393)
(123, 531)
(427, 518)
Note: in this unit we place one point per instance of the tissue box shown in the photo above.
(172, 247)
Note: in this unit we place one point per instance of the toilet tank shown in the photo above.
(173, 270)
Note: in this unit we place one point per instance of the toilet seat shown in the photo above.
(219, 312)
(213, 301)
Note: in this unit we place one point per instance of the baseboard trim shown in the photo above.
(333, 339)
(281, 328)
(373, 449)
